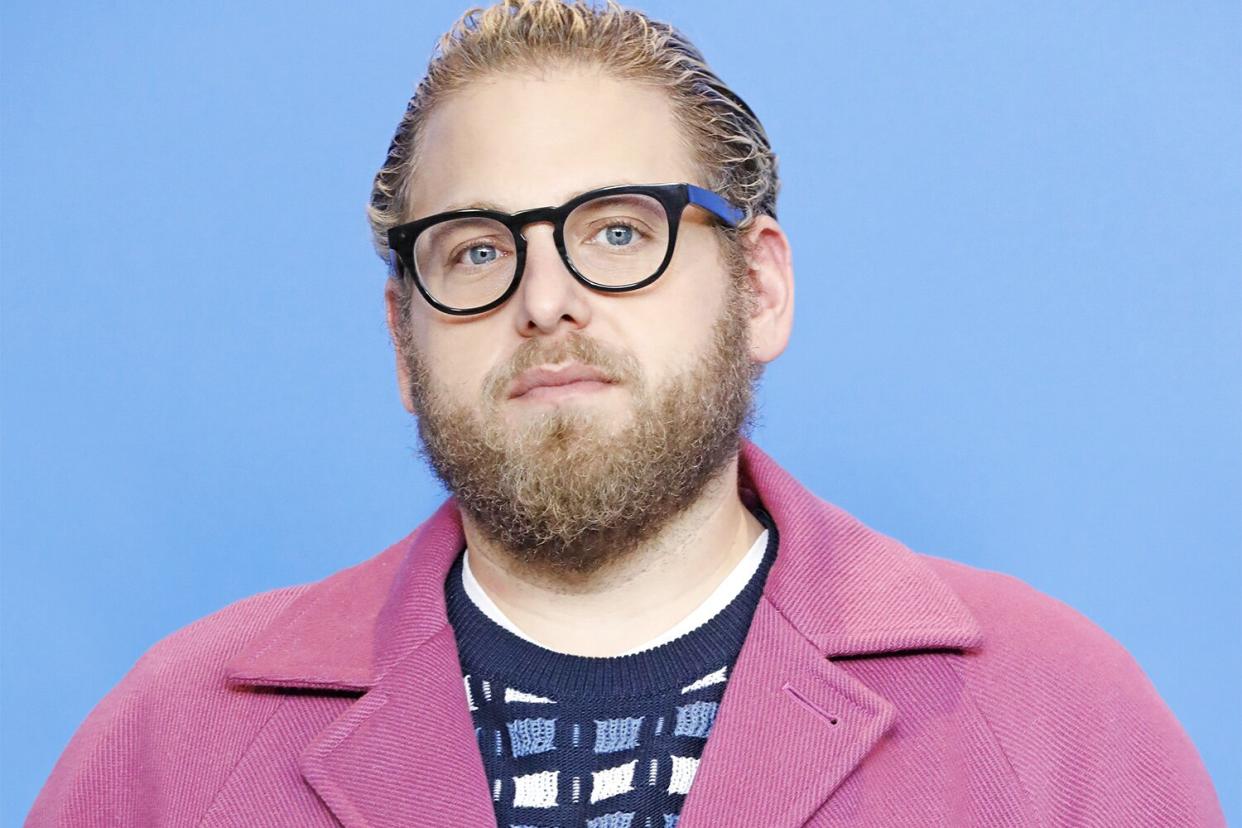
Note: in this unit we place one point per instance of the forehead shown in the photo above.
(532, 140)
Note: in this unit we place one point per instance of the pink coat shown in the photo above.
(877, 687)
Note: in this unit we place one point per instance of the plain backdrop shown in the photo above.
(1016, 232)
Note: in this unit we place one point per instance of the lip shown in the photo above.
(574, 377)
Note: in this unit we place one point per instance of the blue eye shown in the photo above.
(619, 235)
(481, 254)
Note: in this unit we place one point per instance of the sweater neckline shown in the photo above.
(728, 589)
(489, 649)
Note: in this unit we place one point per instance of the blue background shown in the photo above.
(1016, 232)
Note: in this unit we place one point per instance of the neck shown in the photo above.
(636, 598)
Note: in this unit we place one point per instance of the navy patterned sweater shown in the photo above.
(596, 742)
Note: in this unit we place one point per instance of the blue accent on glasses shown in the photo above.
(715, 204)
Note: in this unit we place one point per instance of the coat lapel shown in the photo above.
(792, 724)
(791, 727)
(405, 753)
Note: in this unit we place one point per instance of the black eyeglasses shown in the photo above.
(613, 239)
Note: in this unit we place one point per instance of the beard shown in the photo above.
(560, 492)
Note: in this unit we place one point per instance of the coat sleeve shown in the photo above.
(161, 744)
(1085, 732)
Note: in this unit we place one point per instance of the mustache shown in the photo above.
(616, 366)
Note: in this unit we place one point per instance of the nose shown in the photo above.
(549, 297)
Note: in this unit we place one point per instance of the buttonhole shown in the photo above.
(810, 705)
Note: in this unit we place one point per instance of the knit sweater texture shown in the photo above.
(600, 742)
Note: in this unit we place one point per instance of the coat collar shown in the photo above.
(345, 631)
(837, 588)
(846, 588)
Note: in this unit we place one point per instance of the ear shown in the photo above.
(771, 280)
(392, 302)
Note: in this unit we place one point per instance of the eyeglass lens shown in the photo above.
(613, 240)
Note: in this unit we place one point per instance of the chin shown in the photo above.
(568, 421)
(596, 406)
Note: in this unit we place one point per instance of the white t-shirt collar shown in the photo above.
(726, 591)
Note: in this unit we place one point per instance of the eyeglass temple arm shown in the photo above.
(716, 205)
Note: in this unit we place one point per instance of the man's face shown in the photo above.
(573, 476)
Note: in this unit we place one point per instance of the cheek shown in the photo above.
(675, 334)
(456, 359)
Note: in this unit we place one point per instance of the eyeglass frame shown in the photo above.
(672, 197)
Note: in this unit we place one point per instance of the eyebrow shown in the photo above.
(474, 205)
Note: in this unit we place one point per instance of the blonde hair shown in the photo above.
(731, 146)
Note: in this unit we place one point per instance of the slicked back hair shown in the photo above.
(727, 139)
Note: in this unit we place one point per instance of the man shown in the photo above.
(627, 615)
